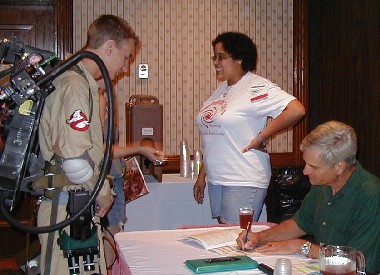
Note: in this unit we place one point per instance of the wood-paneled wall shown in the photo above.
(345, 70)
(176, 40)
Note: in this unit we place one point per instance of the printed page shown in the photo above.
(216, 238)
(233, 250)
(221, 237)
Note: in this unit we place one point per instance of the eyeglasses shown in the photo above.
(220, 57)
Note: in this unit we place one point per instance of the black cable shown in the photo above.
(104, 229)
(44, 81)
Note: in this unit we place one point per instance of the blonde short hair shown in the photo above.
(109, 27)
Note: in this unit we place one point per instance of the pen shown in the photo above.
(266, 269)
(248, 230)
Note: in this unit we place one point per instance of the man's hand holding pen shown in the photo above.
(249, 225)
(247, 239)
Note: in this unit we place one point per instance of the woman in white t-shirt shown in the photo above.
(233, 128)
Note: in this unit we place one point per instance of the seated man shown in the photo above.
(342, 207)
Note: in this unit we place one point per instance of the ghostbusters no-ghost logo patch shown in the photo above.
(78, 121)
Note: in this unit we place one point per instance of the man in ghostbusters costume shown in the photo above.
(71, 139)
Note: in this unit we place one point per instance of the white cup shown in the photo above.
(191, 170)
(283, 267)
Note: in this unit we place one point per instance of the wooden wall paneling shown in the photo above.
(32, 25)
(288, 64)
(345, 71)
(13, 241)
(300, 70)
(64, 26)
(51, 21)
(23, 32)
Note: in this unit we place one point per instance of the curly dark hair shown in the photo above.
(240, 47)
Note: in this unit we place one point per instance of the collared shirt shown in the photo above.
(351, 217)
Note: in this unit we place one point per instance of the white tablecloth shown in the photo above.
(165, 251)
(170, 204)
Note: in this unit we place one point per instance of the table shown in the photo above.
(170, 204)
(165, 251)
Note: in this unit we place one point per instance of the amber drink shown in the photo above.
(245, 216)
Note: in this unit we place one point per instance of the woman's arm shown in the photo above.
(150, 153)
(293, 113)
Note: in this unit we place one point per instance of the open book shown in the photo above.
(221, 236)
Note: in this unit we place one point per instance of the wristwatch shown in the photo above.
(305, 248)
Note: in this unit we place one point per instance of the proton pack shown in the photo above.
(21, 103)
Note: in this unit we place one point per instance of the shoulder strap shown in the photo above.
(50, 240)
(78, 70)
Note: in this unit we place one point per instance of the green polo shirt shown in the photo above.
(351, 217)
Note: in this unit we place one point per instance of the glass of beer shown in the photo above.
(245, 216)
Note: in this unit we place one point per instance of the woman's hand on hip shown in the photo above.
(255, 144)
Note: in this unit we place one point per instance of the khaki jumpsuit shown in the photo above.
(63, 133)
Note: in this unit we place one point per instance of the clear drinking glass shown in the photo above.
(283, 266)
(245, 216)
(341, 260)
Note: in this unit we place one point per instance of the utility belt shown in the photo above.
(46, 185)
(47, 191)
(54, 178)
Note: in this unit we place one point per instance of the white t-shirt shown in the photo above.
(229, 120)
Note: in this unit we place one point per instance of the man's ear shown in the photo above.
(341, 166)
(108, 47)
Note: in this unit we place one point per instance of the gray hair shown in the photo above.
(335, 140)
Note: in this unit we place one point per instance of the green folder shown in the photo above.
(209, 265)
